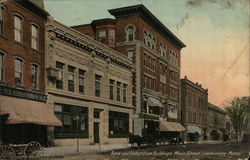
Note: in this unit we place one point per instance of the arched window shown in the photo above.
(130, 33)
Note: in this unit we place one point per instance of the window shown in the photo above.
(118, 123)
(149, 62)
(111, 89)
(102, 36)
(125, 93)
(112, 36)
(81, 81)
(59, 79)
(18, 28)
(130, 54)
(130, 32)
(71, 78)
(1, 20)
(18, 72)
(1, 66)
(96, 113)
(34, 37)
(118, 91)
(149, 40)
(69, 115)
(34, 76)
(98, 85)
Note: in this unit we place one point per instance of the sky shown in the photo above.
(216, 32)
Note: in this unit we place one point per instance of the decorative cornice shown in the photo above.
(145, 14)
(90, 50)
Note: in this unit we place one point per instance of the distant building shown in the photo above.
(24, 114)
(216, 122)
(194, 109)
(89, 87)
(156, 53)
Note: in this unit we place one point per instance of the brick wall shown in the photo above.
(14, 49)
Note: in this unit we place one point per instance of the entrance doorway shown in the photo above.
(96, 132)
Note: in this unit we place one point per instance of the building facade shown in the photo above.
(155, 51)
(194, 109)
(216, 122)
(24, 115)
(89, 87)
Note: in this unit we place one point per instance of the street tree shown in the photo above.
(239, 113)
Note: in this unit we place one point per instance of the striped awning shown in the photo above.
(154, 102)
(170, 126)
(27, 111)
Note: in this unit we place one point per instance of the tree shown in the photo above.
(238, 111)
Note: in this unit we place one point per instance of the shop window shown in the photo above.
(118, 123)
(59, 79)
(74, 120)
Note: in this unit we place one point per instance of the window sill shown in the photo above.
(35, 90)
(3, 83)
(35, 50)
(73, 136)
(2, 36)
(118, 136)
(19, 87)
(19, 43)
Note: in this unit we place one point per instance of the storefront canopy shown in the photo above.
(170, 126)
(27, 111)
(154, 102)
(193, 129)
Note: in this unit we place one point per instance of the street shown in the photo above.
(223, 151)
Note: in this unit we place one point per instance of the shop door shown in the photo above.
(96, 133)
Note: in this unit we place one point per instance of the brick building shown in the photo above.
(194, 109)
(216, 122)
(24, 115)
(156, 53)
(89, 87)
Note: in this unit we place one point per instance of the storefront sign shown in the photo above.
(13, 92)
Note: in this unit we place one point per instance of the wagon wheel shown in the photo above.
(7, 153)
(33, 150)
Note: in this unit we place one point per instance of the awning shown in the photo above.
(165, 125)
(178, 127)
(27, 111)
(193, 129)
(170, 126)
(154, 102)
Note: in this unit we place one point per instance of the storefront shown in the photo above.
(24, 120)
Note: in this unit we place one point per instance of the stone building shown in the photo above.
(89, 87)
(194, 109)
(155, 51)
(216, 122)
(24, 115)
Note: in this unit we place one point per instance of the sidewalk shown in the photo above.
(83, 149)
